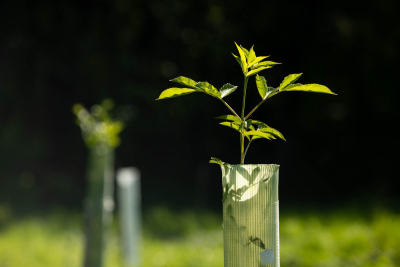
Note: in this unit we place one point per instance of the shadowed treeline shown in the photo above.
(55, 54)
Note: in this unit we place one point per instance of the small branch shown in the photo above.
(242, 118)
(244, 96)
(259, 104)
(226, 104)
(247, 148)
(254, 109)
(241, 148)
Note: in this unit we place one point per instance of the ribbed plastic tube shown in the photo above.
(251, 215)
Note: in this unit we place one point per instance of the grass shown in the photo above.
(339, 238)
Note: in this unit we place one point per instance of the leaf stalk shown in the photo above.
(226, 104)
(259, 104)
(247, 148)
(246, 79)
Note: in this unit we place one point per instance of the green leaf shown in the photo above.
(227, 89)
(261, 86)
(185, 81)
(273, 132)
(252, 55)
(238, 60)
(260, 137)
(291, 86)
(256, 60)
(288, 80)
(265, 63)
(207, 88)
(246, 52)
(234, 126)
(230, 118)
(266, 129)
(242, 59)
(260, 134)
(315, 88)
(257, 71)
(270, 91)
(220, 162)
(259, 123)
(217, 161)
(247, 124)
(175, 92)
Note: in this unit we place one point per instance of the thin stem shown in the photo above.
(254, 109)
(242, 133)
(226, 104)
(259, 104)
(244, 96)
(247, 148)
(241, 147)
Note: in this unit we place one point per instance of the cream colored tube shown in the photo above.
(251, 215)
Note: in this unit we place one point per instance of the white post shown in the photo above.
(129, 200)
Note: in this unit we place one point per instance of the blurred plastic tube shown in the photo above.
(129, 202)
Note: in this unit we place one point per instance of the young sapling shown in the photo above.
(249, 129)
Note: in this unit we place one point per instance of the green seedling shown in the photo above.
(98, 128)
(101, 135)
(249, 129)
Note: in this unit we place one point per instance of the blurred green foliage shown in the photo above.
(97, 125)
(340, 238)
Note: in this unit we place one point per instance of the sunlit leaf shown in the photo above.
(288, 80)
(227, 89)
(175, 92)
(256, 60)
(261, 134)
(270, 91)
(246, 52)
(315, 88)
(238, 60)
(247, 124)
(265, 63)
(273, 132)
(261, 86)
(252, 55)
(242, 59)
(217, 161)
(234, 126)
(207, 88)
(259, 123)
(184, 81)
(220, 162)
(257, 71)
(291, 86)
(230, 118)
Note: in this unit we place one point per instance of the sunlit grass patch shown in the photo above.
(181, 239)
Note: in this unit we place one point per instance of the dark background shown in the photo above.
(340, 150)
